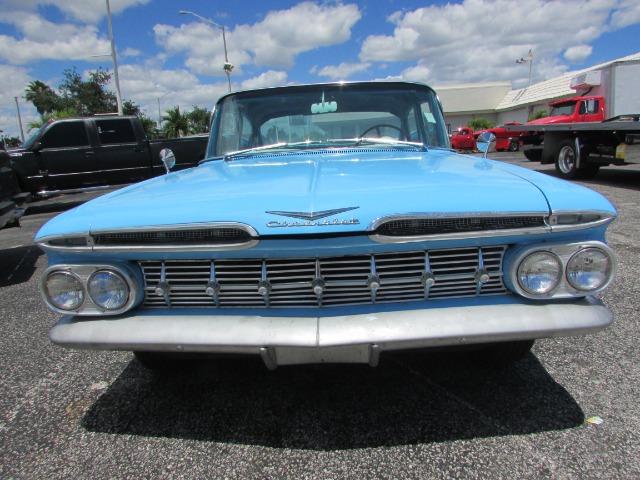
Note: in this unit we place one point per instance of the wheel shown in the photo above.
(505, 352)
(378, 128)
(566, 163)
(162, 362)
(566, 160)
(533, 155)
(514, 146)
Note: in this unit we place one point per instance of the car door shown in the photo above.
(122, 157)
(67, 159)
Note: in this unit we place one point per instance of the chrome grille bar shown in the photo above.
(324, 282)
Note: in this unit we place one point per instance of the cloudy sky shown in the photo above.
(177, 59)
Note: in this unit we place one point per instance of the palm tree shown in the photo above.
(175, 123)
(47, 117)
(42, 96)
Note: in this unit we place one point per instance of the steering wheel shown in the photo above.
(380, 126)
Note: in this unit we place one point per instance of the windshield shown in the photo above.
(325, 114)
(31, 140)
(563, 109)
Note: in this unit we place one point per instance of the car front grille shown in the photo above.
(325, 281)
(439, 226)
(204, 236)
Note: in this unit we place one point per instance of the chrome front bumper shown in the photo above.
(337, 339)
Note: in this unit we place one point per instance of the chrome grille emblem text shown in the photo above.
(312, 219)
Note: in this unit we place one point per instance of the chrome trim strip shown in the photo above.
(446, 215)
(180, 226)
(345, 338)
(458, 236)
(176, 248)
(606, 217)
(45, 242)
(51, 193)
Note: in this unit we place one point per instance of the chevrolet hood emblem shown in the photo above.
(312, 215)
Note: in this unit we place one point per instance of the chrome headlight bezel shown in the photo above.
(565, 253)
(49, 296)
(83, 273)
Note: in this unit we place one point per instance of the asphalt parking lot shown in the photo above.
(75, 414)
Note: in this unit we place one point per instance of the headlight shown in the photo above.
(589, 269)
(108, 290)
(91, 289)
(539, 273)
(64, 291)
(557, 270)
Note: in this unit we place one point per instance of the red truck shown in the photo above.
(463, 138)
(505, 139)
(590, 131)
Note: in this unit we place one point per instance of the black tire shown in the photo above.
(505, 352)
(162, 362)
(566, 163)
(514, 146)
(567, 160)
(534, 155)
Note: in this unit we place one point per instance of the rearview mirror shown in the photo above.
(486, 143)
(168, 159)
(324, 107)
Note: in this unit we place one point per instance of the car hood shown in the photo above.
(269, 192)
(551, 120)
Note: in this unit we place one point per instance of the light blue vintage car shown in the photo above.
(330, 223)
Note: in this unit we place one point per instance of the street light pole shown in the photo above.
(528, 58)
(227, 66)
(19, 120)
(115, 63)
(159, 113)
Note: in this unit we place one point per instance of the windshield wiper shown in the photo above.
(389, 141)
(329, 143)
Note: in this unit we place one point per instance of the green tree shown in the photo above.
(176, 124)
(538, 114)
(87, 97)
(43, 97)
(480, 124)
(198, 120)
(150, 127)
(47, 117)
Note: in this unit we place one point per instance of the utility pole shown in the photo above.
(115, 63)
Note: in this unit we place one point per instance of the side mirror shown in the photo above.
(36, 147)
(168, 159)
(486, 143)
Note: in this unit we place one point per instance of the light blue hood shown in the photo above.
(376, 183)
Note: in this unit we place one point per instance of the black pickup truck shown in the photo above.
(13, 202)
(83, 153)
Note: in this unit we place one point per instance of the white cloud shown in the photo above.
(46, 40)
(87, 11)
(273, 42)
(152, 88)
(578, 53)
(270, 78)
(13, 81)
(480, 39)
(627, 13)
(343, 71)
